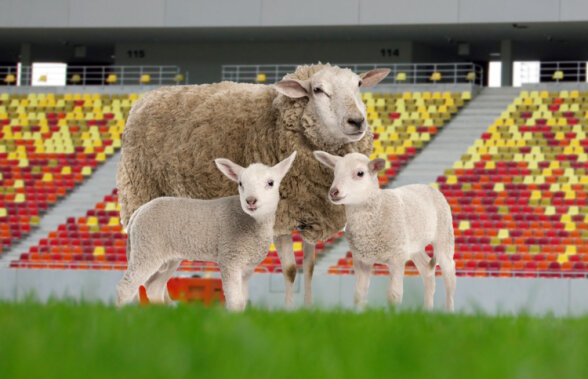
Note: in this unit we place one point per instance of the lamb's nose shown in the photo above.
(251, 201)
(357, 122)
(334, 192)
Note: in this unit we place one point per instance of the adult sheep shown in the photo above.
(173, 135)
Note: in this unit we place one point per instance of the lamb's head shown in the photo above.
(356, 177)
(334, 102)
(259, 185)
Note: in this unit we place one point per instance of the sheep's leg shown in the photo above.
(286, 253)
(233, 289)
(133, 278)
(445, 257)
(245, 287)
(308, 265)
(395, 287)
(427, 271)
(156, 286)
(362, 282)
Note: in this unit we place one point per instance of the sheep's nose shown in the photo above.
(357, 122)
(251, 201)
(333, 193)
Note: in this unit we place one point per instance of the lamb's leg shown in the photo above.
(362, 282)
(245, 289)
(286, 253)
(427, 271)
(395, 287)
(233, 289)
(133, 278)
(445, 256)
(308, 265)
(156, 286)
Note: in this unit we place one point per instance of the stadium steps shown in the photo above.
(74, 205)
(457, 136)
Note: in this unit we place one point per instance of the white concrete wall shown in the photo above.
(203, 13)
(560, 297)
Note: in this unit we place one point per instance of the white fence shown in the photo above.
(430, 73)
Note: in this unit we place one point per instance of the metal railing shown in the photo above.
(402, 73)
(568, 71)
(97, 75)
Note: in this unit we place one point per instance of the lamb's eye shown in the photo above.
(240, 184)
(360, 83)
(317, 90)
(270, 183)
(360, 174)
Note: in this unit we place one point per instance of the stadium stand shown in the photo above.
(403, 123)
(50, 143)
(518, 196)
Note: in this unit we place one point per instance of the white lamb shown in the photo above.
(234, 231)
(391, 226)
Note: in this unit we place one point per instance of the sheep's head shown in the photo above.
(356, 177)
(334, 101)
(259, 185)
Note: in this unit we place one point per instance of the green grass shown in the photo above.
(66, 339)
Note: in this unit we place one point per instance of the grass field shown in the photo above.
(66, 339)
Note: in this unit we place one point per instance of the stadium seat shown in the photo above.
(145, 79)
(260, 78)
(558, 75)
(10, 79)
(401, 77)
(179, 78)
(111, 78)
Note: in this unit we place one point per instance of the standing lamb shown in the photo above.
(391, 226)
(173, 134)
(233, 231)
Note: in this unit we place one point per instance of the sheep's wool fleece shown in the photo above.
(173, 135)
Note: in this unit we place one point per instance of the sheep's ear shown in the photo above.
(373, 77)
(327, 159)
(230, 169)
(293, 88)
(282, 168)
(377, 165)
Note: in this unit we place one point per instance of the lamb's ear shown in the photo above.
(282, 168)
(327, 159)
(377, 165)
(230, 169)
(373, 77)
(293, 88)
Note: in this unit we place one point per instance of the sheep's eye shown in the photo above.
(360, 83)
(270, 183)
(317, 90)
(360, 174)
(240, 184)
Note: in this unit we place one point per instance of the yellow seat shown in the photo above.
(9, 79)
(558, 75)
(75, 79)
(471, 76)
(178, 78)
(261, 78)
(43, 78)
(401, 77)
(111, 79)
(145, 78)
(435, 77)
